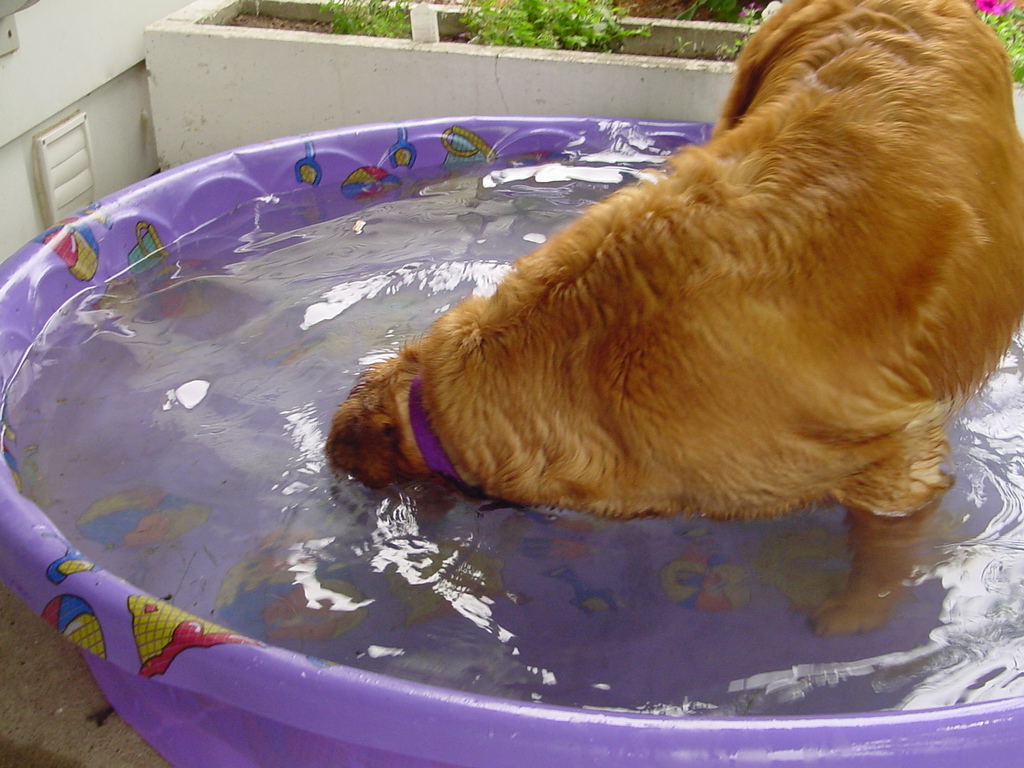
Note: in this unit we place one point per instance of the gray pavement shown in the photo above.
(52, 714)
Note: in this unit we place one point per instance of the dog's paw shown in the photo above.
(846, 614)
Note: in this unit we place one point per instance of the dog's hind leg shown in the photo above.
(889, 506)
(885, 551)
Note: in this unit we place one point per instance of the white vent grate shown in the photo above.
(64, 168)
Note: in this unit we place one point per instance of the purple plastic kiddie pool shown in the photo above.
(170, 359)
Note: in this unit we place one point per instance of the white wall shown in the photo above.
(74, 54)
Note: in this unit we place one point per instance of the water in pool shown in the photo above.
(171, 424)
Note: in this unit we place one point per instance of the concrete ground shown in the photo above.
(52, 714)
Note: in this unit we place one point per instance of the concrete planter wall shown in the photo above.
(214, 87)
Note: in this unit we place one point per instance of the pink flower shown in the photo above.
(994, 7)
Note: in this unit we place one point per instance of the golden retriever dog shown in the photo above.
(790, 315)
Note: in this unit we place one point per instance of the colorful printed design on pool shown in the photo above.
(479, 575)
(806, 564)
(464, 147)
(73, 617)
(149, 250)
(163, 631)
(292, 616)
(141, 515)
(75, 244)
(402, 153)
(563, 539)
(702, 580)
(587, 598)
(308, 170)
(264, 586)
(368, 181)
(8, 439)
(72, 562)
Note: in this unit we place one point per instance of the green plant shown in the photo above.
(575, 25)
(750, 17)
(719, 10)
(375, 18)
(684, 49)
(1008, 22)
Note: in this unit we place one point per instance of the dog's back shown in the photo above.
(842, 262)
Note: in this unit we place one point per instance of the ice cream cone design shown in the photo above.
(72, 562)
(163, 631)
(368, 181)
(76, 247)
(72, 240)
(74, 618)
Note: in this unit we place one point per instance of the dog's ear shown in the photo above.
(364, 442)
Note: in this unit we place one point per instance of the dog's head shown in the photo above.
(370, 436)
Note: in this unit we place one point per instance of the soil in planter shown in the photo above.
(705, 10)
(698, 10)
(270, 22)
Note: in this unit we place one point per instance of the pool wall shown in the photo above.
(206, 696)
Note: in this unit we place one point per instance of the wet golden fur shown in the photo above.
(790, 315)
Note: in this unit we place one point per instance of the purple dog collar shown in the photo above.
(433, 452)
